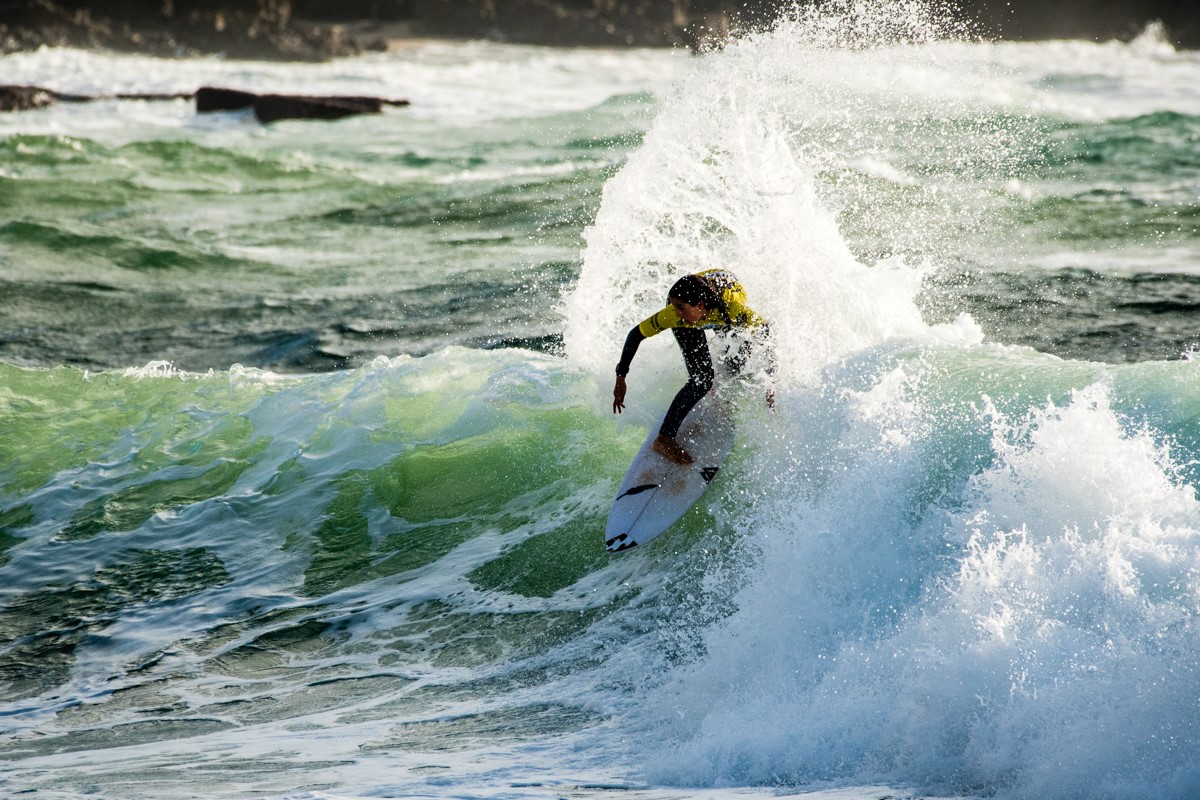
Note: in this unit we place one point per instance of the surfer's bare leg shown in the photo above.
(669, 448)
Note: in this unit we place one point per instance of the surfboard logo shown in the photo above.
(645, 487)
(619, 543)
(708, 473)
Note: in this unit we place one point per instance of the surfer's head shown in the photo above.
(692, 298)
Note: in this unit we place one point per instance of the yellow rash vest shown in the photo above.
(735, 314)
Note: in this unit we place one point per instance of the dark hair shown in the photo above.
(694, 291)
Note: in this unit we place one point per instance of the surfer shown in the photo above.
(710, 299)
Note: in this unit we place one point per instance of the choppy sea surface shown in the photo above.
(306, 443)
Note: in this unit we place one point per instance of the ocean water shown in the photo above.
(306, 445)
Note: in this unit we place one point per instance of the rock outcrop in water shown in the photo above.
(323, 29)
(24, 98)
(267, 107)
(274, 107)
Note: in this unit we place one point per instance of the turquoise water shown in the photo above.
(306, 451)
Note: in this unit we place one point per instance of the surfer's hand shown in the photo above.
(619, 395)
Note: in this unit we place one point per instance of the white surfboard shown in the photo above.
(657, 492)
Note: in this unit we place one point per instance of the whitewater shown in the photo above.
(306, 443)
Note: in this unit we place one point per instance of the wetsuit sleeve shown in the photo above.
(632, 341)
(667, 318)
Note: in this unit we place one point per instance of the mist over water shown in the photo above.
(959, 558)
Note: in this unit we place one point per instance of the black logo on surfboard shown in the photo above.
(708, 473)
(619, 543)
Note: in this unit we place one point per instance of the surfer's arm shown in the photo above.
(650, 326)
(619, 395)
(632, 341)
(667, 318)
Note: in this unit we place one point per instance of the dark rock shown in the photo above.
(274, 107)
(131, 96)
(267, 107)
(23, 98)
(213, 98)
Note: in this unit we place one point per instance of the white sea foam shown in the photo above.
(449, 84)
(1034, 634)
(941, 593)
(727, 178)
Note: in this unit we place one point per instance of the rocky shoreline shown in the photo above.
(316, 30)
(319, 30)
(237, 30)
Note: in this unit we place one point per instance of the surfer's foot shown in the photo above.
(671, 450)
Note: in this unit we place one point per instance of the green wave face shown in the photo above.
(479, 473)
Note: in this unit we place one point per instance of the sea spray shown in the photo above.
(1031, 631)
(766, 151)
(945, 573)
